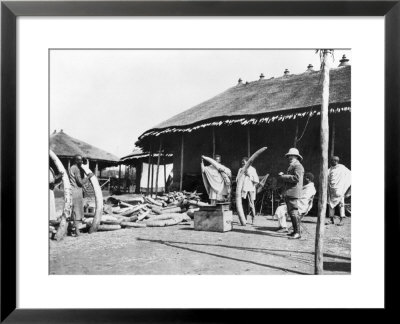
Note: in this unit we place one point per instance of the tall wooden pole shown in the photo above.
(152, 174)
(296, 135)
(165, 173)
(333, 139)
(248, 142)
(148, 171)
(96, 169)
(323, 171)
(181, 175)
(213, 142)
(158, 165)
(119, 178)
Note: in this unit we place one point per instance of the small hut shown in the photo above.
(143, 163)
(65, 147)
(277, 112)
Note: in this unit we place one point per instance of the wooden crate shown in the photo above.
(213, 219)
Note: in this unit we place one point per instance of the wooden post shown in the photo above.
(96, 169)
(333, 139)
(248, 142)
(213, 141)
(165, 173)
(69, 164)
(158, 165)
(323, 171)
(152, 175)
(148, 171)
(296, 133)
(119, 178)
(181, 175)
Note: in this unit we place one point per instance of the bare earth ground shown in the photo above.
(254, 249)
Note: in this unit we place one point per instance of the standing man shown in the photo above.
(214, 181)
(304, 203)
(78, 179)
(249, 189)
(293, 180)
(339, 181)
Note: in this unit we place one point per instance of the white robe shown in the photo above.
(339, 181)
(249, 184)
(214, 183)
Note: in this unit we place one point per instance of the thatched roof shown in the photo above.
(264, 100)
(138, 154)
(66, 146)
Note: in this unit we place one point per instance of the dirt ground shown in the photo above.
(179, 249)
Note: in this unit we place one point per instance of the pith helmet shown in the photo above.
(294, 151)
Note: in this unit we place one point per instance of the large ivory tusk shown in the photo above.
(67, 210)
(240, 182)
(98, 195)
(219, 167)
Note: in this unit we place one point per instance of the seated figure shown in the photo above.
(304, 203)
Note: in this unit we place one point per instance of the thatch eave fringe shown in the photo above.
(248, 120)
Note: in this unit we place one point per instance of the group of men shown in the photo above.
(299, 189)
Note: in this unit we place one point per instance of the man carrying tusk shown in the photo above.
(216, 186)
(78, 180)
(249, 189)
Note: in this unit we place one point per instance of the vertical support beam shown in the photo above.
(158, 164)
(96, 169)
(69, 164)
(148, 171)
(333, 138)
(296, 135)
(181, 174)
(119, 178)
(323, 167)
(165, 173)
(248, 142)
(213, 141)
(152, 174)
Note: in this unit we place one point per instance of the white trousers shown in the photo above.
(281, 214)
(341, 206)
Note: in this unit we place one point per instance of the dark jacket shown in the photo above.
(293, 180)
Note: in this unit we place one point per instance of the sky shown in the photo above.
(108, 98)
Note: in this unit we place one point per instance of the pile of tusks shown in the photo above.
(137, 211)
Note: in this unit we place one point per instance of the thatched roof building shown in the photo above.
(65, 147)
(279, 113)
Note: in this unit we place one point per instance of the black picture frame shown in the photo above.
(11, 10)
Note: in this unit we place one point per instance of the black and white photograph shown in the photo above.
(200, 161)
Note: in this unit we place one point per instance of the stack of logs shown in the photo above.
(142, 211)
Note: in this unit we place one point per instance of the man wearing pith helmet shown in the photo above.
(293, 180)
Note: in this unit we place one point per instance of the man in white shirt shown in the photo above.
(339, 182)
(249, 189)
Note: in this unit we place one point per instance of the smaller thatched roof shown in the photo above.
(66, 146)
